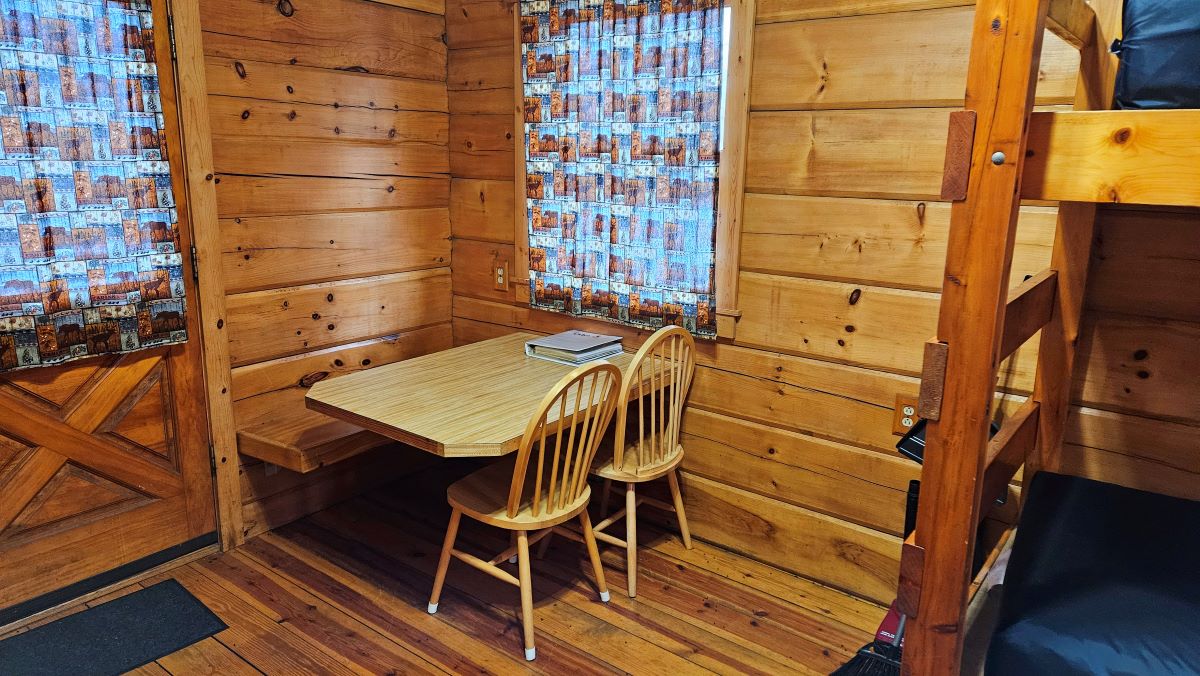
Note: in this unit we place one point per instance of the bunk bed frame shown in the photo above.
(999, 152)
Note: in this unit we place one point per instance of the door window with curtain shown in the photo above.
(90, 261)
(622, 112)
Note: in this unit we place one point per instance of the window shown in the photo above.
(622, 135)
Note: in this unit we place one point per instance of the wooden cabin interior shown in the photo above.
(329, 238)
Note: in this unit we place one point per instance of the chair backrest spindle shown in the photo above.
(571, 418)
(658, 381)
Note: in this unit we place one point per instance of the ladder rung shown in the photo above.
(1071, 20)
(1029, 309)
(993, 555)
(1006, 451)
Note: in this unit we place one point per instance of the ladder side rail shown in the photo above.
(1003, 72)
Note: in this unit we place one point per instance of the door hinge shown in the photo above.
(195, 265)
(171, 32)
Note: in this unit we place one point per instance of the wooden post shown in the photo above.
(1005, 53)
(1072, 254)
(202, 201)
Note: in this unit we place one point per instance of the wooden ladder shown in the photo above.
(981, 323)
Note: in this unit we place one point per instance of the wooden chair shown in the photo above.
(647, 449)
(543, 485)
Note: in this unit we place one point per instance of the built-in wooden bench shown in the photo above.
(287, 434)
(275, 426)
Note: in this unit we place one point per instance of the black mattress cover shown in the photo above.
(1160, 55)
(1102, 580)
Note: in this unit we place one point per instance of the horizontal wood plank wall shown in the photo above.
(331, 135)
(790, 455)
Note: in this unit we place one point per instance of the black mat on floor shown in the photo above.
(112, 638)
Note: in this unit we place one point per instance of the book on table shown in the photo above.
(574, 347)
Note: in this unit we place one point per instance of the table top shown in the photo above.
(469, 401)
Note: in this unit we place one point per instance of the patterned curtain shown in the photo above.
(622, 131)
(89, 254)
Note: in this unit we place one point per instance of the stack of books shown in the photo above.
(574, 347)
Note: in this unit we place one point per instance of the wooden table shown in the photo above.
(470, 401)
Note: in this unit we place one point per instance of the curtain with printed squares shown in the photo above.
(622, 111)
(90, 259)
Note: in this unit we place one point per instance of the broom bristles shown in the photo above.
(867, 662)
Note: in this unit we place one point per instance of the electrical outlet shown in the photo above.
(500, 271)
(500, 275)
(905, 415)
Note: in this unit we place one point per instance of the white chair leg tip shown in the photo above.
(530, 654)
(512, 559)
(605, 596)
(432, 608)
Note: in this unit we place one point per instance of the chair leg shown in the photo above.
(673, 478)
(526, 592)
(604, 498)
(444, 562)
(544, 545)
(589, 538)
(512, 541)
(631, 538)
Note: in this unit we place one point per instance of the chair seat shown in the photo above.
(483, 496)
(629, 472)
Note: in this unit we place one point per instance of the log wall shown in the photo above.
(789, 446)
(330, 141)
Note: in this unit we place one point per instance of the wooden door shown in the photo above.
(104, 462)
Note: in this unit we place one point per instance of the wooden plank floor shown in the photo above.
(344, 591)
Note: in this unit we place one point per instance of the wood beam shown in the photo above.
(1007, 451)
(1114, 156)
(1028, 310)
(1071, 20)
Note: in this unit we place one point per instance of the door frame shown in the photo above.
(195, 130)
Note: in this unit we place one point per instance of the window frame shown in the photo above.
(731, 170)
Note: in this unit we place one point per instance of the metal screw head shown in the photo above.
(998, 158)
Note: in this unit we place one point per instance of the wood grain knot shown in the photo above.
(1122, 135)
(285, 7)
(240, 69)
(313, 378)
(855, 295)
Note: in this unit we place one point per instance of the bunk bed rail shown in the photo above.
(1114, 156)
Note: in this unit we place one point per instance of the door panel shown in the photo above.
(124, 450)
(105, 461)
